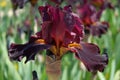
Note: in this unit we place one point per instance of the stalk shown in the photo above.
(53, 68)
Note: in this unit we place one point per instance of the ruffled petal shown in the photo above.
(28, 50)
(59, 21)
(99, 28)
(89, 54)
(18, 3)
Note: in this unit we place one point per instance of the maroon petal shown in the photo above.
(86, 10)
(86, 13)
(28, 50)
(44, 13)
(99, 28)
(58, 22)
(89, 54)
(34, 38)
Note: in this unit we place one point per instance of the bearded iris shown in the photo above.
(62, 31)
(90, 16)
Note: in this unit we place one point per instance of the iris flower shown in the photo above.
(62, 32)
(90, 12)
(90, 17)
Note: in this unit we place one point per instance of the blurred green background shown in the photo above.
(13, 29)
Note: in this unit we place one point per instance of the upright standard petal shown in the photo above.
(57, 22)
(89, 54)
(60, 27)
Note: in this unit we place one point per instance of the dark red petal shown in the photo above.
(99, 28)
(89, 54)
(33, 38)
(68, 38)
(44, 13)
(87, 13)
(68, 8)
(69, 21)
(86, 10)
(28, 50)
(60, 22)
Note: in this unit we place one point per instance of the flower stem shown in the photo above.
(53, 68)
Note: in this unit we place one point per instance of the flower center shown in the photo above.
(76, 45)
(40, 41)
